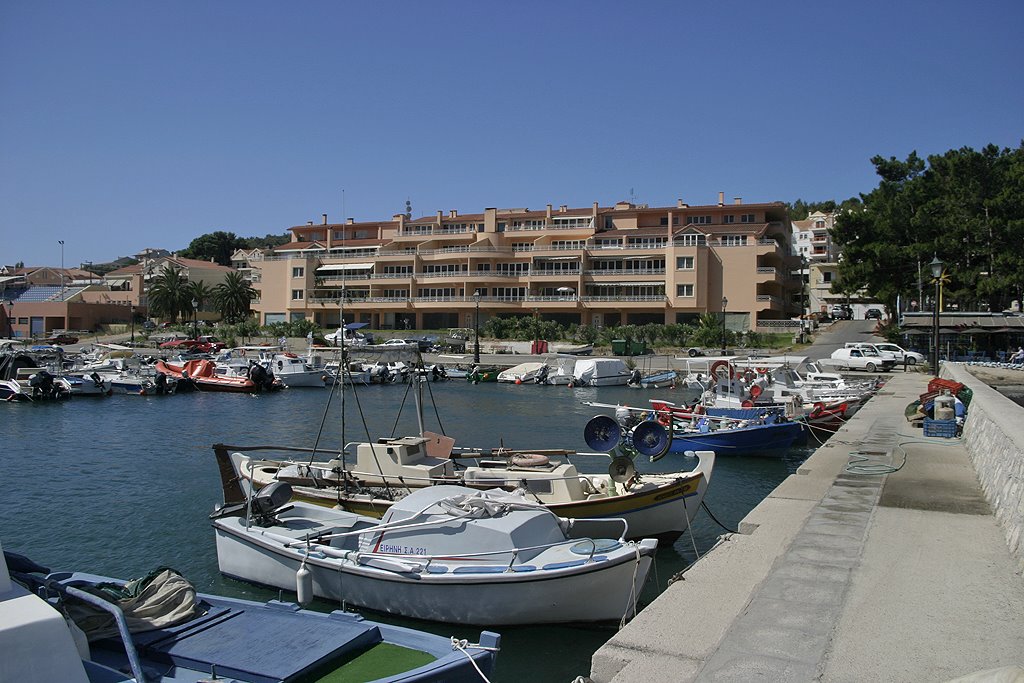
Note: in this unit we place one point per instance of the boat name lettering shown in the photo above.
(401, 549)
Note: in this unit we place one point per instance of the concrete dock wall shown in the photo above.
(994, 439)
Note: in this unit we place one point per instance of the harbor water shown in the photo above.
(123, 484)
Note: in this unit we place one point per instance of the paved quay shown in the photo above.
(880, 560)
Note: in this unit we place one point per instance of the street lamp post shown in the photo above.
(10, 317)
(725, 302)
(803, 299)
(936, 266)
(133, 324)
(61, 243)
(476, 327)
(195, 319)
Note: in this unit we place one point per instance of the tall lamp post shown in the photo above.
(725, 302)
(936, 266)
(803, 299)
(133, 324)
(61, 243)
(195, 319)
(476, 327)
(10, 317)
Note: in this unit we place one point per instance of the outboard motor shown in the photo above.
(42, 384)
(542, 375)
(634, 378)
(161, 383)
(269, 501)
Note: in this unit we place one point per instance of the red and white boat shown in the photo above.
(206, 375)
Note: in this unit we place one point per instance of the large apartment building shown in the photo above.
(602, 266)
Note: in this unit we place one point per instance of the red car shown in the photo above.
(204, 344)
(61, 339)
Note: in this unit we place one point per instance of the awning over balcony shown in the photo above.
(626, 284)
(116, 283)
(340, 267)
(556, 258)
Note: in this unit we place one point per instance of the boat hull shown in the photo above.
(752, 440)
(594, 591)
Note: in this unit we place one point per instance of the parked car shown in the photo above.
(873, 314)
(862, 359)
(693, 352)
(60, 339)
(841, 312)
(901, 354)
(148, 325)
(400, 342)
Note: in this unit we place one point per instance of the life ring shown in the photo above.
(290, 355)
(722, 364)
(747, 404)
(528, 460)
(762, 371)
(755, 391)
(664, 418)
(818, 409)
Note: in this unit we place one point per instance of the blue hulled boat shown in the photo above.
(159, 630)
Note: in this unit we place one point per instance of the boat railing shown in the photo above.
(115, 612)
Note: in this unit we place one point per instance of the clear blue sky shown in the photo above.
(132, 124)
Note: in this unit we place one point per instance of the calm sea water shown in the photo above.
(120, 485)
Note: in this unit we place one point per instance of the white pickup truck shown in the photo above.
(862, 359)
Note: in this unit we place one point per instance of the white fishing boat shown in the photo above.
(443, 553)
(294, 371)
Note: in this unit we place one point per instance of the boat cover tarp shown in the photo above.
(11, 363)
(161, 598)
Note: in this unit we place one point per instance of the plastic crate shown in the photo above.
(938, 384)
(943, 428)
(965, 395)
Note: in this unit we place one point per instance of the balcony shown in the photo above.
(652, 298)
(617, 272)
(773, 301)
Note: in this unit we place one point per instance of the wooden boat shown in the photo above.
(377, 474)
(204, 375)
(667, 428)
(443, 553)
(159, 630)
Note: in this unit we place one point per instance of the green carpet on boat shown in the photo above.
(380, 661)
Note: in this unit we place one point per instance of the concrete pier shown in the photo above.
(881, 559)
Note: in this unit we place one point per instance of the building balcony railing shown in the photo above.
(433, 230)
(548, 226)
(391, 276)
(626, 271)
(621, 297)
(626, 247)
(551, 272)
(768, 298)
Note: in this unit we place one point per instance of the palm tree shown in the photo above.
(233, 297)
(169, 295)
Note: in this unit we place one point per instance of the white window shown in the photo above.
(691, 240)
(297, 295)
(729, 219)
(700, 220)
(684, 263)
(298, 271)
(684, 290)
(747, 218)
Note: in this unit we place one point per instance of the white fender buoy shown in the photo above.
(304, 585)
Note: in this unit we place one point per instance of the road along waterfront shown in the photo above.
(120, 485)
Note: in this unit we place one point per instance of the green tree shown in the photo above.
(169, 295)
(233, 297)
(964, 206)
(202, 293)
(218, 246)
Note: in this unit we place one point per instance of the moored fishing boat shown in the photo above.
(368, 482)
(159, 630)
(443, 553)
